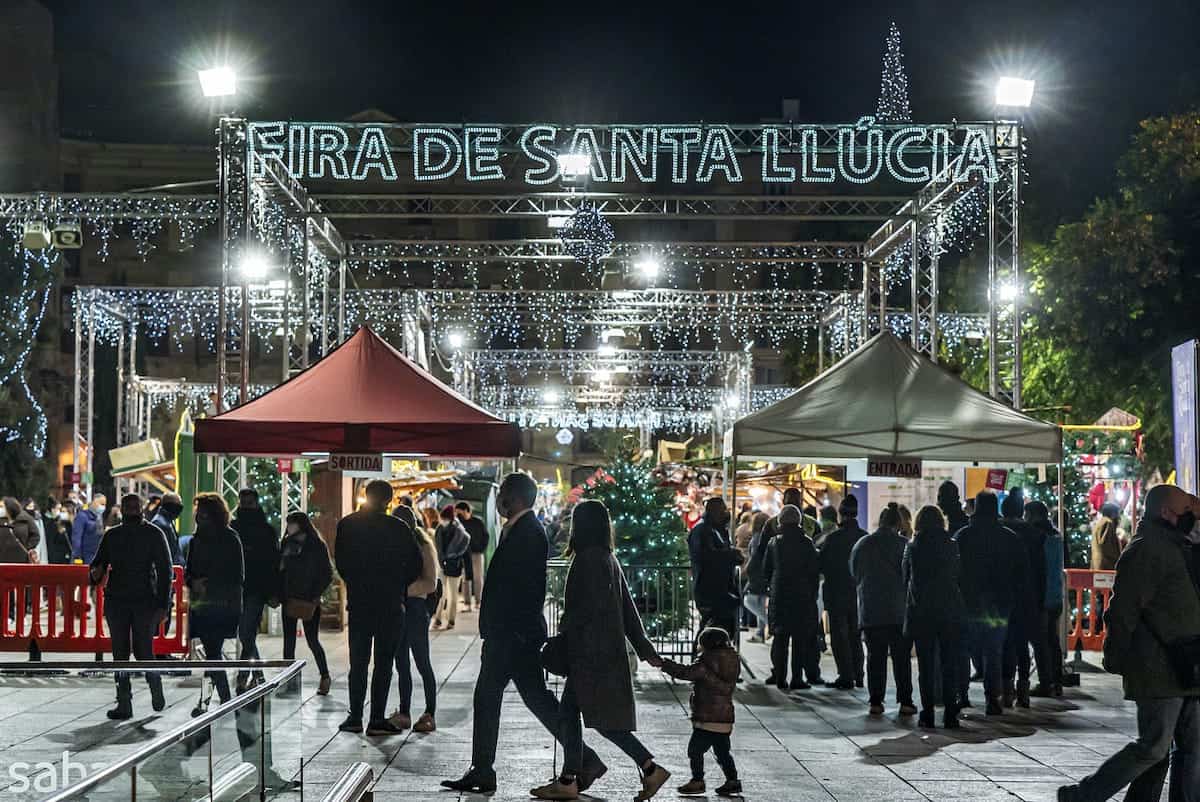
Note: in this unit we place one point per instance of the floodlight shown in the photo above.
(648, 266)
(255, 267)
(551, 396)
(607, 350)
(609, 334)
(558, 220)
(601, 376)
(1014, 92)
(456, 339)
(571, 165)
(1008, 293)
(218, 82)
(732, 401)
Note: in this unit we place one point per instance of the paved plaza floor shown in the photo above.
(810, 745)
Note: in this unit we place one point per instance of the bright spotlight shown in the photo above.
(551, 396)
(557, 221)
(572, 165)
(610, 334)
(649, 267)
(1008, 293)
(218, 82)
(732, 401)
(255, 267)
(456, 339)
(607, 350)
(1014, 92)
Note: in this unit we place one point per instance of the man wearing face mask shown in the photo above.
(1155, 608)
(88, 529)
(513, 628)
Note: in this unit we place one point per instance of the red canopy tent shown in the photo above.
(363, 397)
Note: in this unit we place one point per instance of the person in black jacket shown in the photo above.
(839, 595)
(792, 574)
(1023, 628)
(991, 558)
(169, 510)
(950, 504)
(304, 574)
(478, 532)
(933, 612)
(260, 550)
(378, 557)
(57, 526)
(876, 563)
(714, 560)
(215, 575)
(134, 565)
(513, 628)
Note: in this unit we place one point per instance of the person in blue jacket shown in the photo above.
(88, 529)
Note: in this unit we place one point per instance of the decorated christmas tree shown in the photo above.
(651, 543)
(893, 87)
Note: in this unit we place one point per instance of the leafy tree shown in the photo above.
(1112, 293)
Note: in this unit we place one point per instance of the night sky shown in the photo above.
(127, 67)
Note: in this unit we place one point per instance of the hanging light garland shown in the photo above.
(587, 235)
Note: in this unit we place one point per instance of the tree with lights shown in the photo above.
(893, 87)
(651, 542)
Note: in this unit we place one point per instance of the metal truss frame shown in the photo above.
(543, 205)
(108, 206)
(553, 250)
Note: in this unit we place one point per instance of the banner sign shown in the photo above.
(356, 463)
(997, 479)
(893, 467)
(858, 153)
(1183, 389)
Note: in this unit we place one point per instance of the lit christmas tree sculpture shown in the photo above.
(893, 86)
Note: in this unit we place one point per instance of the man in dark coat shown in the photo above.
(134, 565)
(876, 563)
(513, 628)
(714, 574)
(478, 532)
(378, 557)
(839, 595)
(792, 574)
(1023, 629)
(260, 550)
(950, 504)
(992, 576)
(169, 510)
(1154, 603)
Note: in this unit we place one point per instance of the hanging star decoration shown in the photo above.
(588, 236)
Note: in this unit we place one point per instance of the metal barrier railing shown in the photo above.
(661, 593)
(354, 785)
(188, 760)
(1088, 594)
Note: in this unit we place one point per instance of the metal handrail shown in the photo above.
(183, 731)
(353, 785)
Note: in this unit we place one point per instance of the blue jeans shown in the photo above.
(1161, 722)
(756, 603)
(252, 610)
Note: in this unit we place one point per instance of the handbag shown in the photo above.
(300, 609)
(433, 600)
(554, 655)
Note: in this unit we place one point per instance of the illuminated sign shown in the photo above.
(893, 467)
(616, 154)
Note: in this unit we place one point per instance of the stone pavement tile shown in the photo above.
(1040, 791)
(930, 767)
(947, 790)
(1034, 773)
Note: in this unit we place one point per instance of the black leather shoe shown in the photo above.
(480, 782)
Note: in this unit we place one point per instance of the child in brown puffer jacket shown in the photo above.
(714, 675)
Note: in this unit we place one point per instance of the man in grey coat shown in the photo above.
(1155, 609)
(876, 565)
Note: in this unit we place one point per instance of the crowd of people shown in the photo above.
(977, 594)
(984, 590)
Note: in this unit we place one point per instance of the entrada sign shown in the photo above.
(894, 467)
(818, 154)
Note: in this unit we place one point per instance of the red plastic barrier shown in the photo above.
(1089, 592)
(67, 614)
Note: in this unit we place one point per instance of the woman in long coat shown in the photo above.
(215, 574)
(598, 617)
